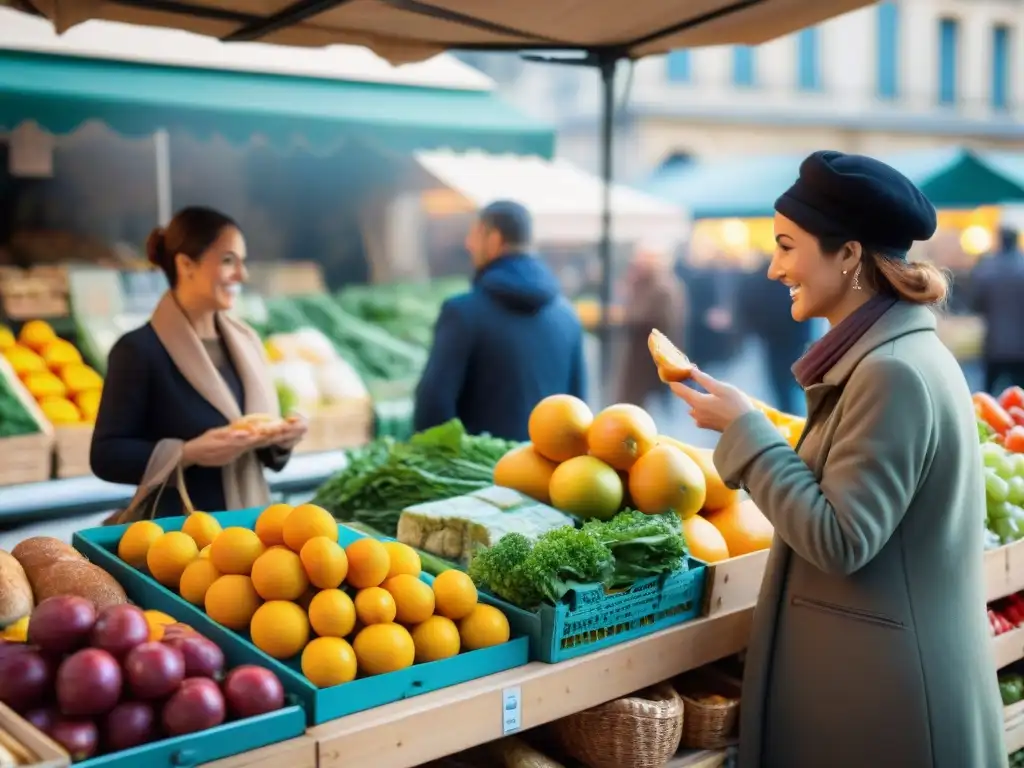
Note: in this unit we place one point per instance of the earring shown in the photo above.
(856, 278)
(845, 271)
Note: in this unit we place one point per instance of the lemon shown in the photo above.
(375, 605)
(484, 627)
(280, 629)
(235, 550)
(332, 613)
(270, 523)
(435, 639)
(204, 553)
(157, 620)
(414, 600)
(202, 527)
(328, 661)
(383, 648)
(403, 558)
(16, 632)
(325, 562)
(136, 541)
(168, 557)
(455, 594)
(368, 563)
(278, 574)
(196, 580)
(232, 600)
(306, 521)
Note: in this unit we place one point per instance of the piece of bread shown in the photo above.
(78, 577)
(15, 591)
(41, 551)
(672, 364)
(257, 422)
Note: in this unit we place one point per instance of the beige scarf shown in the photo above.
(244, 483)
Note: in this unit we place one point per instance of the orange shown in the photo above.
(383, 648)
(558, 427)
(718, 495)
(270, 523)
(168, 557)
(375, 605)
(332, 613)
(325, 562)
(232, 600)
(586, 487)
(621, 434)
(523, 469)
(744, 527)
(157, 620)
(368, 563)
(36, 335)
(280, 629)
(414, 600)
(136, 541)
(435, 639)
(305, 522)
(704, 540)
(484, 627)
(235, 550)
(196, 580)
(455, 594)
(202, 527)
(278, 574)
(667, 480)
(328, 661)
(403, 558)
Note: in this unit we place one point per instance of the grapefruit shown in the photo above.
(665, 479)
(586, 487)
(558, 427)
(744, 527)
(621, 434)
(704, 540)
(719, 495)
(523, 469)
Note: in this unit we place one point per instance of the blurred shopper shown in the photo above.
(997, 290)
(763, 310)
(510, 341)
(869, 646)
(175, 385)
(654, 298)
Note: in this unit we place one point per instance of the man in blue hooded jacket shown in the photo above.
(510, 341)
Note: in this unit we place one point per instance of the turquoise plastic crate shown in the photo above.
(321, 704)
(214, 744)
(590, 618)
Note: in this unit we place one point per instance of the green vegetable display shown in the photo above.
(615, 554)
(15, 420)
(386, 476)
(1011, 688)
(407, 311)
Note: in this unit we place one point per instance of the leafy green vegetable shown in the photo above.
(642, 545)
(15, 420)
(500, 570)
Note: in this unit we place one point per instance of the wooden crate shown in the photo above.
(343, 424)
(73, 443)
(47, 753)
(1004, 571)
(734, 583)
(1013, 717)
(29, 458)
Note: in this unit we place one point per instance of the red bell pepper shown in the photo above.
(1014, 440)
(1012, 397)
(1017, 414)
(992, 413)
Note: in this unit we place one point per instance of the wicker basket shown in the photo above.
(709, 725)
(639, 731)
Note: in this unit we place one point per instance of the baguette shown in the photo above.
(42, 551)
(78, 577)
(15, 591)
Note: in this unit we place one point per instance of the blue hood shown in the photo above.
(519, 282)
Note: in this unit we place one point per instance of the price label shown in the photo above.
(511, 710)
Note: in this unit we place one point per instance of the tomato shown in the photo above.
(1017, 414)
(992, 412)
(1015, 440)
(1012, 397)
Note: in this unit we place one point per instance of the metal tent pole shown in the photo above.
(606, 65)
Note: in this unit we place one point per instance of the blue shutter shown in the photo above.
(678, 66)
(1001, 55)
(808, 59)
(949, 33)
(887, 66)
(743, 66)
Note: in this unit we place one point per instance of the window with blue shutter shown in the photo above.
(1001, 56)
(677, 66)
(743, 66)
(949, 34)
(808, 59)
(887, 74)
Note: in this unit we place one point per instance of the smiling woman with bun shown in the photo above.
(869, 645)
(192, 387)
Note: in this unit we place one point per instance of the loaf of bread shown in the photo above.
(41, 551)
(15, 591)
(77, 577)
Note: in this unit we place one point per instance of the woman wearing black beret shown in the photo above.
(870, 646)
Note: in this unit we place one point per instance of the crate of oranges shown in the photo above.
(346, 621)
(65, 388)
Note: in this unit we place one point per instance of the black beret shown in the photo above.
(859, 198)
(509, 219)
